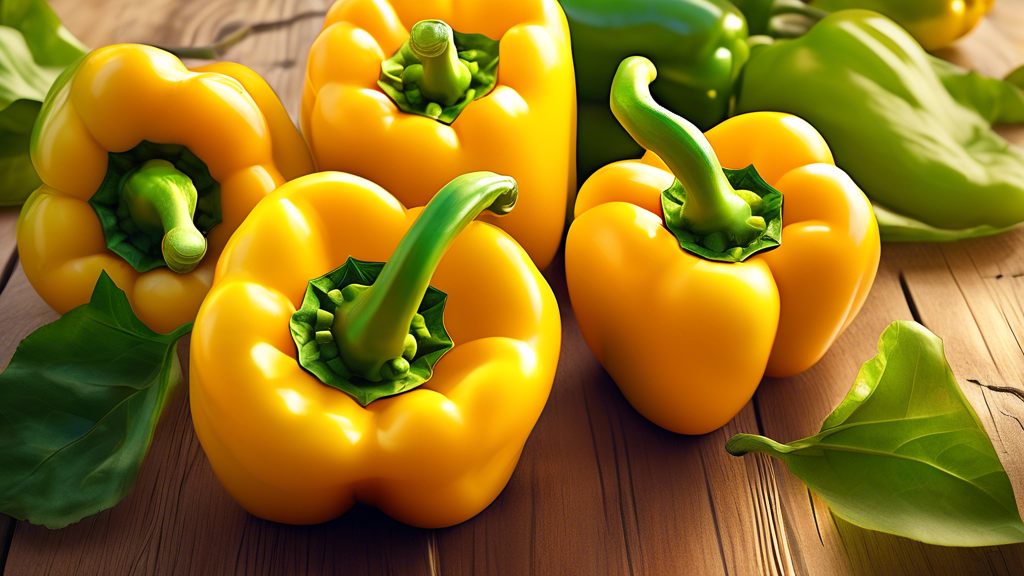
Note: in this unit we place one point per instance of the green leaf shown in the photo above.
(673, 200)
(895, 227)
(23, 86)
(904, 452)
(49, 41)
(321, 359)
(996, 100)
(20, 76)
(34, 49)
(78, 406)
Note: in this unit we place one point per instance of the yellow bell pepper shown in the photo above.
(933, 23)
(309, 397)
(524, 126)
(686, 338)
(172, 149)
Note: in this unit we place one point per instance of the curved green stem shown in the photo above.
(445, 78)
(712, 205)
(741, 444)
(372, 325)
(161, 199)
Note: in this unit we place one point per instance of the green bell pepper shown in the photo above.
(913, 131)
(698, 46)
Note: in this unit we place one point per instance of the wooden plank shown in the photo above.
(603, 491)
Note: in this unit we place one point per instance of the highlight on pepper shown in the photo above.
(691, 282)
(352, 349)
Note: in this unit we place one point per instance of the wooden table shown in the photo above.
(599, 489)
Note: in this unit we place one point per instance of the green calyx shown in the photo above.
(156, 205)
(439, 71)
(376, 329)
(721, 215)
(424, 342)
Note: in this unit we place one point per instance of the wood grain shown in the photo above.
(8, 250)
(599, 489)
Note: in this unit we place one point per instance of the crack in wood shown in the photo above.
(992, 416)
(8, 270)
(7, 527)
(714, 515)
(1014, 417)
(914, 313)
(757, 415)
(839, 533)
(814, 513)
(1004, 389)
(622, 509)
(632, 492)
(597, 455)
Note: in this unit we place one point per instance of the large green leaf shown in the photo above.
(34, 49)
(904, 452)
(50, 42)
(78, 406)
(20, 76)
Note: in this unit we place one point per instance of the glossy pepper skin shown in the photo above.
(699, 46)
(933, 23)
(289, 448)
(110, 101)
(525, 127)
(912, 131)
(687, 340)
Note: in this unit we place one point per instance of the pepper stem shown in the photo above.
(445, 78)
(372, 324)
(161, 199)
(712, 206)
